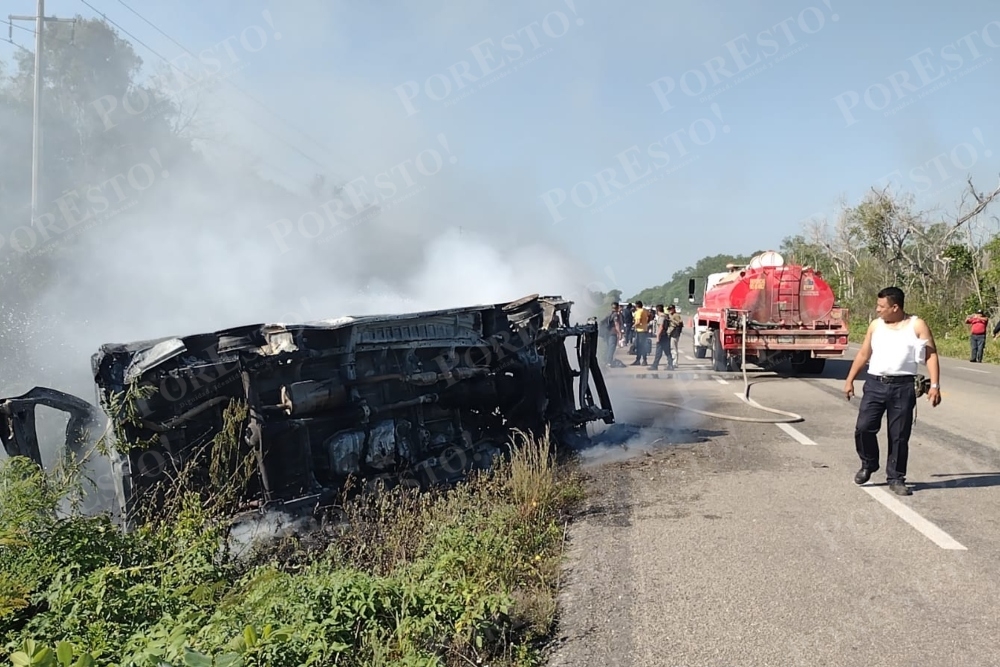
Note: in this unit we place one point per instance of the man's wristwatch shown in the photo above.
(935, 386)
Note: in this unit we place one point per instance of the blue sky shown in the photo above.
(581, 107)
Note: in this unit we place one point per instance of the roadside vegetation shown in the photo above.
(948, 265)
(951, 342)
(466, 576)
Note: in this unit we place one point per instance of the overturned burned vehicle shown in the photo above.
(302, 408)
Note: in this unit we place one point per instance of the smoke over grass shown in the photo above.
(173, 243)
(149, 228)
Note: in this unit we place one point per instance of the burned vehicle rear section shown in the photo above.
(294, 411)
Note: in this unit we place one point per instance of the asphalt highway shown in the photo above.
(707, 542)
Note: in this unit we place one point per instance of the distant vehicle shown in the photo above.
(790, 312)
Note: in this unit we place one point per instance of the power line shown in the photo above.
(20, 27)
(10, 41)
(162, 57)
(232, 83)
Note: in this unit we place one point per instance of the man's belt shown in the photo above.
(892, 379)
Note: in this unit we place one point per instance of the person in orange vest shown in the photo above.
(641, 327)
(977, 335)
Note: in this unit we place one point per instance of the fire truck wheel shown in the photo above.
(815, 366)
(720, 362)
(808, 366)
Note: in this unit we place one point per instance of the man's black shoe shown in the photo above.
(863, 475)
(900, 489)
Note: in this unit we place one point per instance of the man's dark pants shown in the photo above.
(663, 348)
(978, 344)
(641, 347)
(897, 398)
(612, 341)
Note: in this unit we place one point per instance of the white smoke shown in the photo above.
(199, 249)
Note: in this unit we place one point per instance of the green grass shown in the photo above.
(463, 577)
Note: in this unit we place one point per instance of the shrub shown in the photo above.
(462, 576)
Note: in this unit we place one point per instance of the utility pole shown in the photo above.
(36, 126)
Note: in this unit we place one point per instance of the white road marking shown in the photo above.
(720, 380)
(795, 433)
(907, 514)
(972, 370)
(798, 435)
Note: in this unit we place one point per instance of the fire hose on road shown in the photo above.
(790, 417)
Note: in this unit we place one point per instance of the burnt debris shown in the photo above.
(294, 411)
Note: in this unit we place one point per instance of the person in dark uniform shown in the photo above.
(659, 334)
(895, 344)
(611, 331)
(628, 320)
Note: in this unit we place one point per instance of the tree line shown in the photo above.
(947, 264)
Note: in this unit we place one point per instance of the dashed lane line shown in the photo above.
(798, 435)
(720, 380)
(903, 511)
(795, 433)
(972, 370)
(900, 509)
(910, 516)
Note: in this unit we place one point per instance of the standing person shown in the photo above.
(674, 329)
(611, 329)
(893, 347)
(651, 329)
(641, 325)
(659, 330)
(977, 335)
(628, 319)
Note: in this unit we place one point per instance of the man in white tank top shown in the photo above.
(895, 345)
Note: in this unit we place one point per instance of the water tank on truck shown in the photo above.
(775, 296)
(774, 293)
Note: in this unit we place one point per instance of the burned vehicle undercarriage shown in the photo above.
(421, 397)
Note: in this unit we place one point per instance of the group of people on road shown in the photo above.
(639, 328)
(895, 345)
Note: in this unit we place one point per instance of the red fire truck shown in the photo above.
(789, 313)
